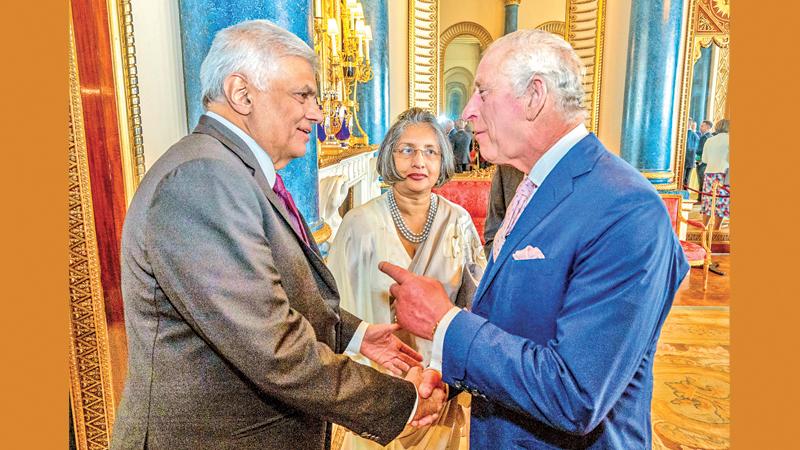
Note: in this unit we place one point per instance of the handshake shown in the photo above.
(383, 347)
(432, 394)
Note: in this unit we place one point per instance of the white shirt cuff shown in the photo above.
(414, 411)
(438, 338)
(354, 347)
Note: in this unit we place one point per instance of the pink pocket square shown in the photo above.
(528, 253)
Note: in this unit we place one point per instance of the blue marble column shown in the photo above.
(701, 83)
(512, 14)
(373, 96)
(650, 88)
(200, 21)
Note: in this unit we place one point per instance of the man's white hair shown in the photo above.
(536, 52)
(252, 48)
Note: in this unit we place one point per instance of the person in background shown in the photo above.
(692, 142)
(462, 142)
(504, 184)
(415, 229)
(706, 131)
(715, 157)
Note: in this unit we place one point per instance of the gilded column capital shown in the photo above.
(511, 2)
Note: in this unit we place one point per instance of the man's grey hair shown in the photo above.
(252, 48)
(414, 116)
(536, 52)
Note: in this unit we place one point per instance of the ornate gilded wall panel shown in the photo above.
(585, 30)
(554, 26)
(90, 370)
(709, 22)
(423, 54)
(721, 90)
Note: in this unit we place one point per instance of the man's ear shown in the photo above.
(237, 93)
(537, 97)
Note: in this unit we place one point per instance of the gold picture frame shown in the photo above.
(94, 392)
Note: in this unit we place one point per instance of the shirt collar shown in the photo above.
(262, 157)
(552, 156)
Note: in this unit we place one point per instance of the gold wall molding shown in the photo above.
(423, 55)
(708, 22)
(126, 79)
(721, 90)
(511, 2)
(585, 31)
(447, 36)
(91, 389)
(554, 26)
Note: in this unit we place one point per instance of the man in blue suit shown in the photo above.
(559, 344)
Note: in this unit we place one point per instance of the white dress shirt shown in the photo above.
(538, 174)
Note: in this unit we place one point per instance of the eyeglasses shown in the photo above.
(409, 152)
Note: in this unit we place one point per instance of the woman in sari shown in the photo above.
(413, 228)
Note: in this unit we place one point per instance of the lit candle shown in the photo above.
(333, 31)
(367, 38)
(318, 9)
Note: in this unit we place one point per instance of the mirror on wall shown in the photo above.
(461, 59)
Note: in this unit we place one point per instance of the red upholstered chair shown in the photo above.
(698, 255)
(472, 193)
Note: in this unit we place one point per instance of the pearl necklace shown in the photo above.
(401, 224)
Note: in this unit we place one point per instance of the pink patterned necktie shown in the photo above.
(294, 214)
(524, 191)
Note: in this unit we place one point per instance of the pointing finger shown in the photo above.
(397, 273)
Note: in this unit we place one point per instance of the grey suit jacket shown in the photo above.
(461, 146)
(234, 329)
(505, 181)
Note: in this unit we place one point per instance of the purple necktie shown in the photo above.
(518, 203)
(294, 214)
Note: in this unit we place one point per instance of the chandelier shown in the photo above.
(341, 41)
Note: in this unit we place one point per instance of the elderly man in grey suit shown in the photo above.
(234, 329)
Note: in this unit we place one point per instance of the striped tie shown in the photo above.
(524, 192)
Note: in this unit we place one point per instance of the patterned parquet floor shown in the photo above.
(691, 393)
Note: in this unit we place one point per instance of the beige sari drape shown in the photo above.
(452, 254)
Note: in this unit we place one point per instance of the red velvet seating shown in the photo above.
(697, 255)
(472, 193)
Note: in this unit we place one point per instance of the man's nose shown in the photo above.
(314, 113)
(471, 110)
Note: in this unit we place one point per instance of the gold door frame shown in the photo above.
(708, 25)
(584, 29)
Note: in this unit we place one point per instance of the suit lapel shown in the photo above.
(556, 187)
(213, 128)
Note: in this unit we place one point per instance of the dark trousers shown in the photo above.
(701, 174)
(687, 166)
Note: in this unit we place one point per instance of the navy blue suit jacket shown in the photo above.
(558, 352)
